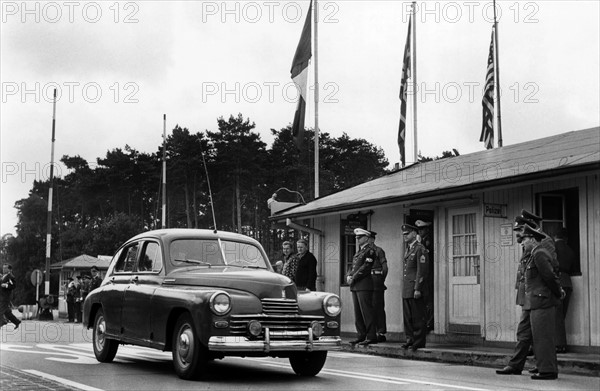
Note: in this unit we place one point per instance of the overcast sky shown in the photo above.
(119, 66)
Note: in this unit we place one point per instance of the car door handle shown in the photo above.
(134, 279)
(112, 280)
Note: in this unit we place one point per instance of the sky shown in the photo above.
(119, 66)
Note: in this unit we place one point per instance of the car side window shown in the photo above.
(151, 258)
(127, 259)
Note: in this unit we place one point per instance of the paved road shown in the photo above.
(59, 356)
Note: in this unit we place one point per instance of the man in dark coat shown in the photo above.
(566, 260)
(96, 279)
(416, 264)
(7, 284)
(378, 274)
(306, 275)
(361, 286)
(542, 295)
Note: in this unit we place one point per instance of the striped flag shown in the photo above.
(300, 77)
(487, 128)
(403, 88)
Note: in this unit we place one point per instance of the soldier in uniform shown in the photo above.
(414, 283)
(378, 274)
(523, 347)
(426, 240)
(542, 294)
(361, 286)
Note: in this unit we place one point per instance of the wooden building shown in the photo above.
(471, 201)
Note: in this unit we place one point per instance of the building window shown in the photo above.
(465, 256)
(560, 209)
(348, 242)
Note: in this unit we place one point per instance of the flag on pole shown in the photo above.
(300, 77)
(403, 88)
(487, 129)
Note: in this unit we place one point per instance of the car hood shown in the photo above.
(262, 283)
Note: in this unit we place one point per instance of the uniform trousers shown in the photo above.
(363, 314)
(524, 339)
(379, 303)
(561, 314)
(414, 312)
(536, 327)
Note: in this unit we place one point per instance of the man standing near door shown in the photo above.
(416, 263)
(378, 275)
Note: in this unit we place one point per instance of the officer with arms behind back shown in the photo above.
(416, 264)
(378, 274)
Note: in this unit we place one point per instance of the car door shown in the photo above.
(118, 280)
(137, 302)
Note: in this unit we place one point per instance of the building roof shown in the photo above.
(574, 151)
(82, 261)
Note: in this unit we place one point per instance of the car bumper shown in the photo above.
(242, 344)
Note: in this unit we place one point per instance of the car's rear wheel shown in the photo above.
(189, 355)
(308, 363)
(105, 348)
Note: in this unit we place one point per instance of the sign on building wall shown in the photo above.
(494, 210)
(506, 235)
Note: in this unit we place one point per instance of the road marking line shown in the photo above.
(62, 381)
(383, 379)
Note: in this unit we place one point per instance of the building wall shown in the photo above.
(500, 314)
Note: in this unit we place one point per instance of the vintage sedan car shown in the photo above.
(204, 295)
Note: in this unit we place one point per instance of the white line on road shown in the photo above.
(383, 379)
(62, 381)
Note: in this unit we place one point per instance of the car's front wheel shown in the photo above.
(105, 349)
(189, 355)
(308, 363)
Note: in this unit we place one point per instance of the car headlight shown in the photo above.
(332, 305)
(220, 303)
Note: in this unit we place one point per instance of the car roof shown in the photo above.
(170, 234)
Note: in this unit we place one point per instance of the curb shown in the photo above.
(566, 365)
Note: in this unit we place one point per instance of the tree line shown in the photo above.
(96, 208)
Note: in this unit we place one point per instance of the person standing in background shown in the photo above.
(378, 274)
(306, 275)
(7, 284)
(566, 258)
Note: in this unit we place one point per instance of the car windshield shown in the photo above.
(206, 252)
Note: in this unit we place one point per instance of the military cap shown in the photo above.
(421, 224)
(530, 216)
(520, 221)
(361, 232)
(528, 231)
(373, 233)
(406, 228)
(94, 268)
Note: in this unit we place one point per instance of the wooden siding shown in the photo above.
(591, 211)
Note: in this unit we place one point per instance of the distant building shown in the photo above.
(70, 268)
(471, 201)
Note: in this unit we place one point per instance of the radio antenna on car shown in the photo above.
(212, 206)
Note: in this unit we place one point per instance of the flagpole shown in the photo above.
(49, 216)
(316, 18)
(414, 74)
(164, 175)
(497, 77)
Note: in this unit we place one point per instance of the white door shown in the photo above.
(464, 254)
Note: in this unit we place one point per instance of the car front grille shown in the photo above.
(280, 306)
(280, 316)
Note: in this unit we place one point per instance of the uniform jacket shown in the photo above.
(566, 259)
(381, 268)
(520, 283)
(542, 286)
(362, 263)
(416, 265)
(306, 275)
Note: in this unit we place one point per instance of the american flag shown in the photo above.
(299, 73)
(403, 88)
(487, 129)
